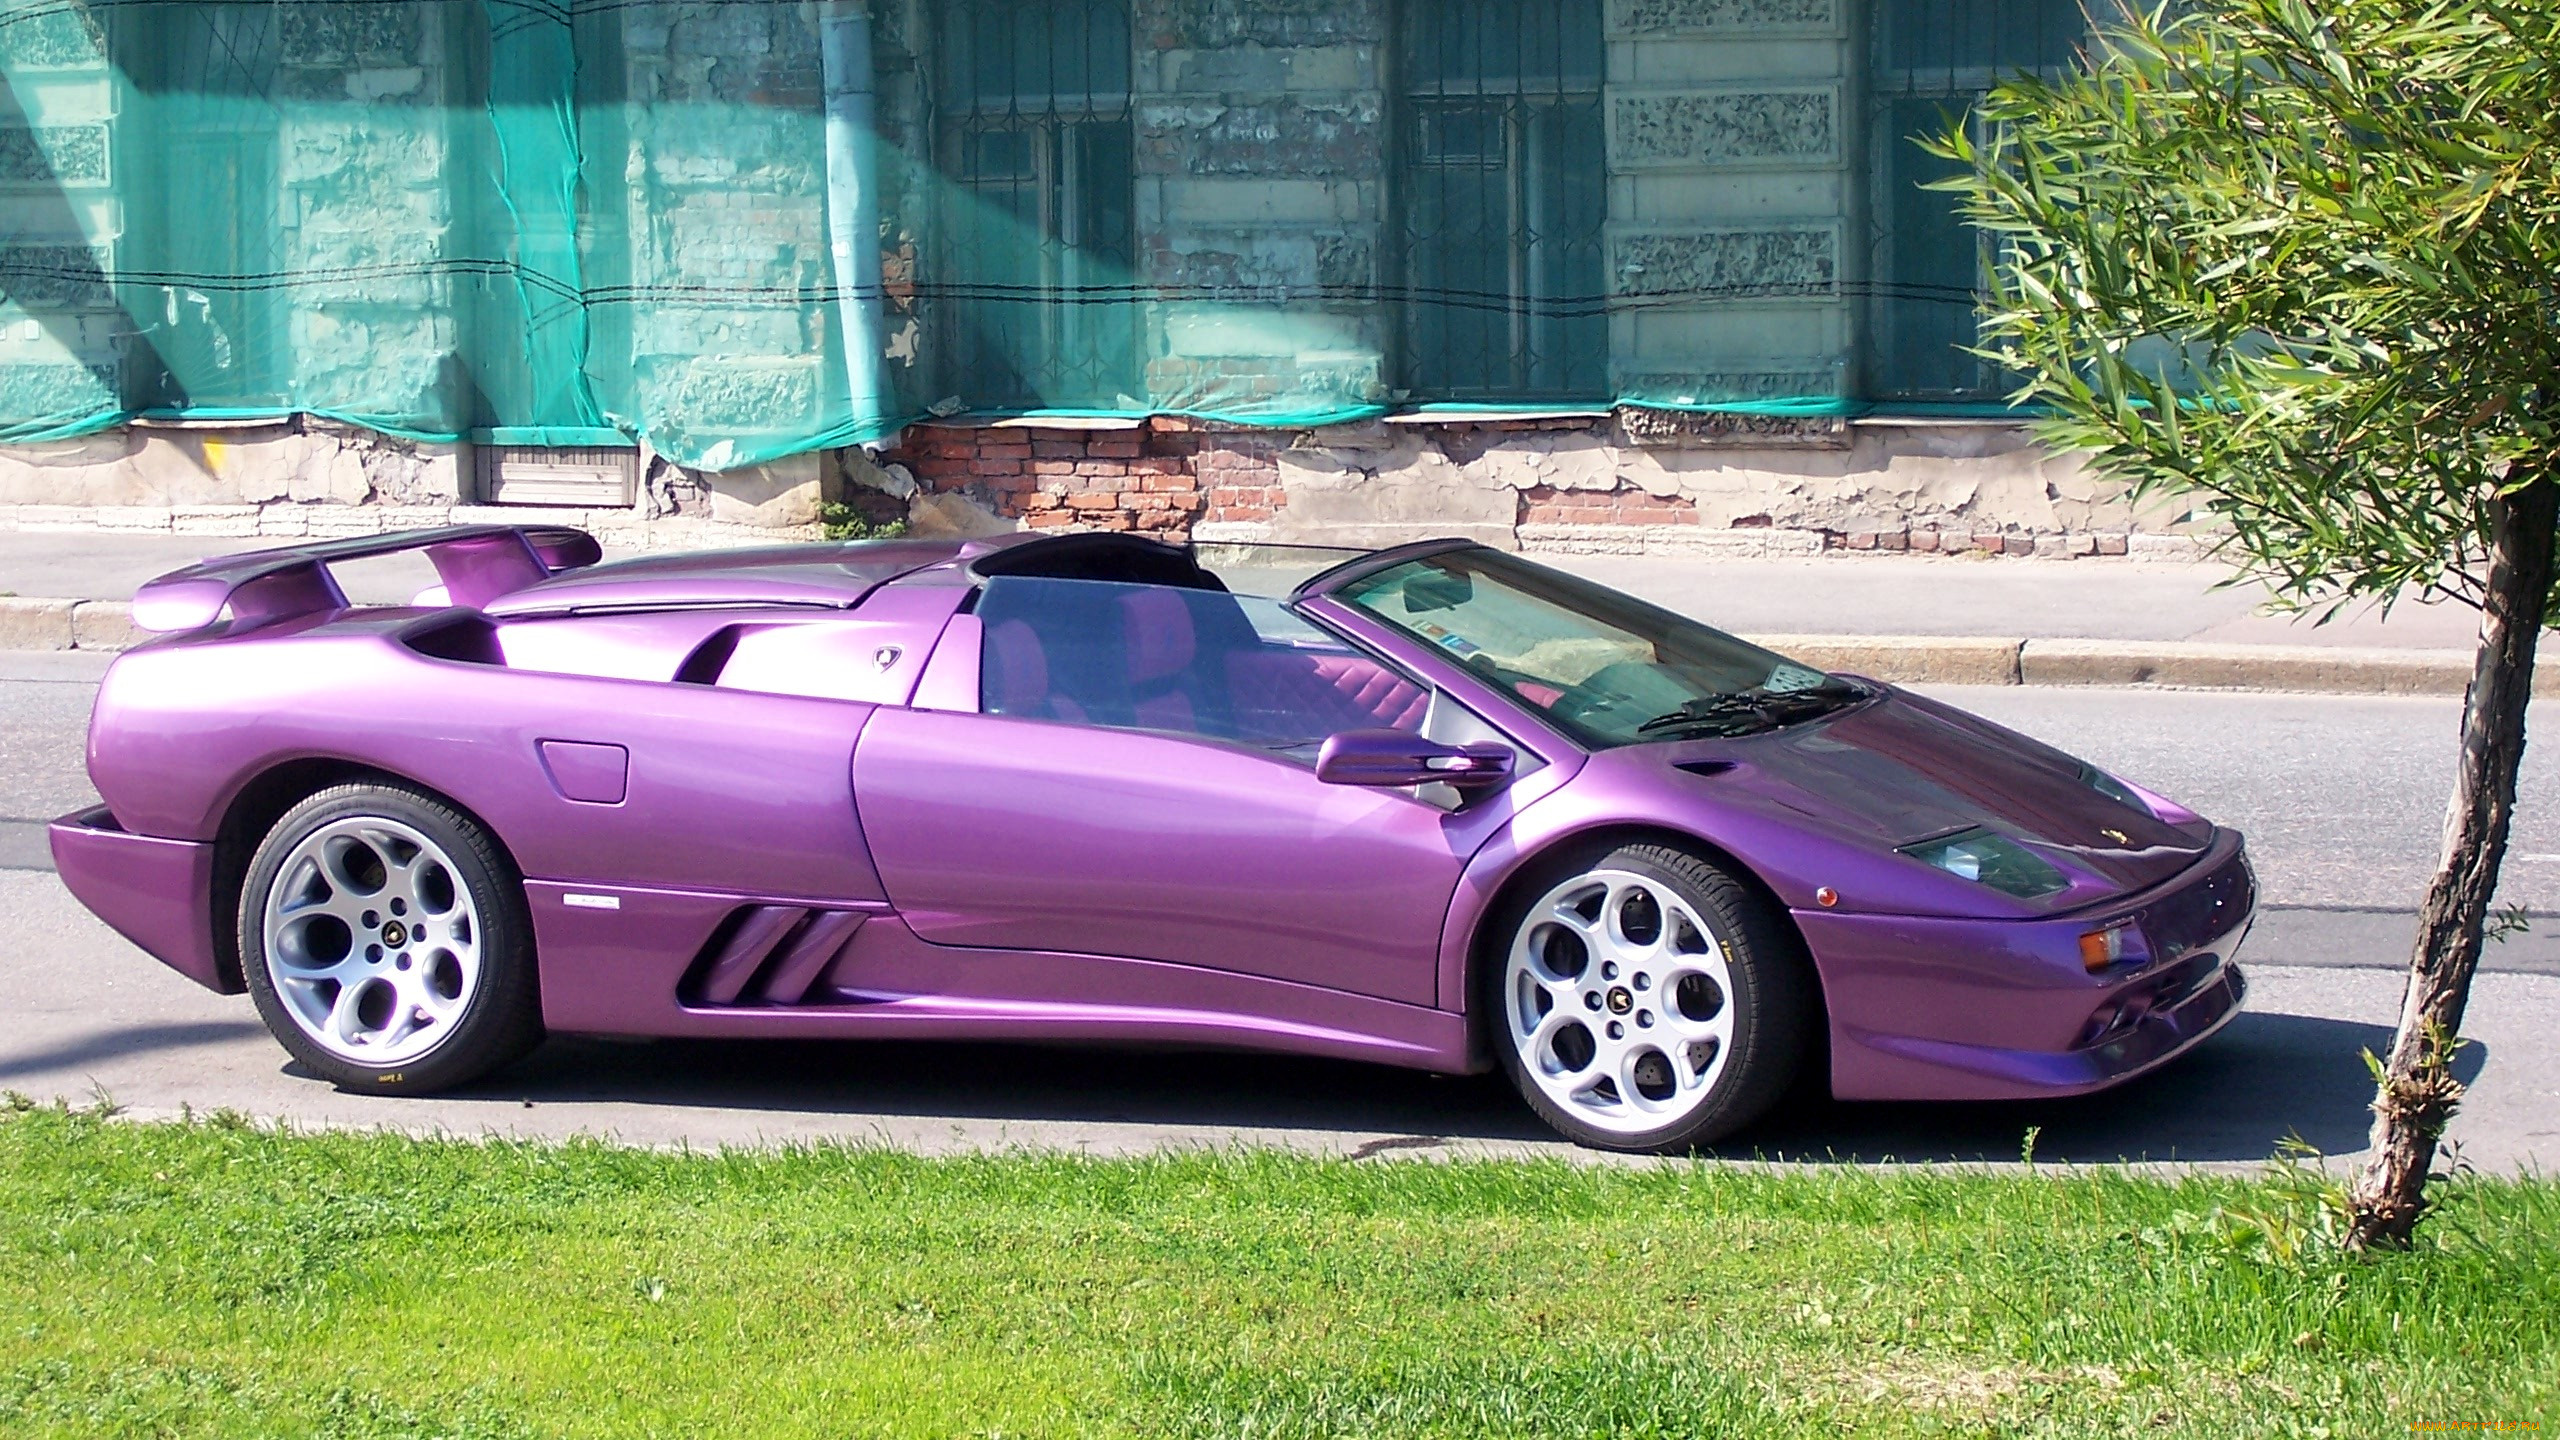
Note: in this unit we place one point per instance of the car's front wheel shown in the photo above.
(1647, 1000)
(385, 940)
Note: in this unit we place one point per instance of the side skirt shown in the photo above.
(624, 961)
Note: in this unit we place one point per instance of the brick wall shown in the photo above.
(1160, 478)
(1546, 505)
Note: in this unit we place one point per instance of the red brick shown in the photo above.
(2019, 544)
(1053, 467)
(2112, 544)
(1094, 500)
(1924, 539)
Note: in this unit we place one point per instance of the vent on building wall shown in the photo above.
(583, 477)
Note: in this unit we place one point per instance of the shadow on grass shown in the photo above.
(2264, 1079)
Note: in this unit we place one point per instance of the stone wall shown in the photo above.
(364, 160)
(1729, 200)
(1260, 159)
(62, 338)
(724, 214)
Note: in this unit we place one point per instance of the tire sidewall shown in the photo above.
(500, 1020)
(1764, 974)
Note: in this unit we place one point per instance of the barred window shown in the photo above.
(1503, 198)
(1934, 60)
(1035, 295)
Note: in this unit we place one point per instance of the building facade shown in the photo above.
(1655, 275)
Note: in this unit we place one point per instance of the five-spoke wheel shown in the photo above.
(1645, 1000)
(384, 939)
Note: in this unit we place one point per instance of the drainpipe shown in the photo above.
(853, 196)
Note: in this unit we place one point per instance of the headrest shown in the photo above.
(1160, 638)
(1017, 668)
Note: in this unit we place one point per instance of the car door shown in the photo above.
(1134, 777)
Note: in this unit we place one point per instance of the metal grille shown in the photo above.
(1036, 294)
(1502, 158)
(576, 476)
(1933, 60)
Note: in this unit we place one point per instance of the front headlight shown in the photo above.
(1987, 858)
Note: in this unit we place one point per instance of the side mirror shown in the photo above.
(1393, 759)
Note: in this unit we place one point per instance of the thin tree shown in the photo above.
(2297, 258)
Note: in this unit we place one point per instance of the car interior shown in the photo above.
(1128, 633)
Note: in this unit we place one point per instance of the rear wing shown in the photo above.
(478, 563)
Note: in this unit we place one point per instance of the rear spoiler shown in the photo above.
(478, 563)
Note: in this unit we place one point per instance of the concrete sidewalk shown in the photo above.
(1913, 618)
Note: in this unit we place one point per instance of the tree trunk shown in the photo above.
(2417, 1093)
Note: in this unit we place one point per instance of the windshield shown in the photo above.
(1608, 669)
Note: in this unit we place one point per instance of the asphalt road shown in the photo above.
(2341, 798)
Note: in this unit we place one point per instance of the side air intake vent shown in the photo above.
(768, 955)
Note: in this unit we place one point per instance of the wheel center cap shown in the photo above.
(1620, 1000)
(395, 933)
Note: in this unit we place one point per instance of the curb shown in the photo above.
(39, 624)
(107, 625)
(2162, 664)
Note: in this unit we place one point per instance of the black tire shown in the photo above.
(1771, 994)
(497, 1015)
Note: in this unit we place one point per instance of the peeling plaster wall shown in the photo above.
(309, 464)
(1638, 482)
(1635, 483)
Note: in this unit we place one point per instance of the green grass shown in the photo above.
(216, 1279)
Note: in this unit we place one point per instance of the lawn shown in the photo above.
(216, 1279)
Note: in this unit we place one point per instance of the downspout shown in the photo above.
(853, 197)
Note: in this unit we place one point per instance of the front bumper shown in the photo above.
(1933, 1009)
(156, 893)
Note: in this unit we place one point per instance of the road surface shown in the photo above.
(2341, 798)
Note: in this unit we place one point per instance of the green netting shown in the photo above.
(734, 230)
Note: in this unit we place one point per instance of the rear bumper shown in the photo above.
(156, 893)
(1931, 1009)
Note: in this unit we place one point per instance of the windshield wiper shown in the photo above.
(1756, 710)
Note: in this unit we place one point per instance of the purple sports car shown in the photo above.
(1434, 806)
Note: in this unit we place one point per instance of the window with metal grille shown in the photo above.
(1503, 198)
(1036, 298)
(1934, 60)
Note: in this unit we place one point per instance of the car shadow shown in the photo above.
(104, 1046)
(2265, 1080)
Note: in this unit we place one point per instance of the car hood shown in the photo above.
(1902, 769)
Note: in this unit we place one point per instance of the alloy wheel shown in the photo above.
(1617, 998)
(372, 941)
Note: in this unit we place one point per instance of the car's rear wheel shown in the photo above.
(386, 942)
(1647, 1000)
